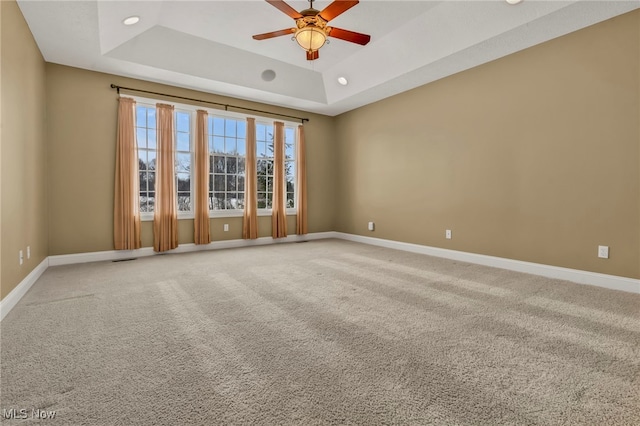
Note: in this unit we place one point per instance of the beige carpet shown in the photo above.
(325, 332)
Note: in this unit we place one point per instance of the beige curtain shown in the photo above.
(278, 216)
(165, 217)
(301, 182)
(201, 213)
(126, 212)
(250, 219)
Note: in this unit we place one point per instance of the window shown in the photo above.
(264, 163)
(227, 155)
(227, 150)
(146, 141)
(183, 159)
(290, 165)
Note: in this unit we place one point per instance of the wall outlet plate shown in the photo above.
(226, 227)
(372, 226)
(603, 252)
(447, 234)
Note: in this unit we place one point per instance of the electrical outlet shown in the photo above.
(28, 252)
(603, 252)
(372, 226)
(447, 234)
(21, 257)
(226, 227)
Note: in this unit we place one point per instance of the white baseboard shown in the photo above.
(21, 289)
(69, 259)
(582, 277)
(575, 275)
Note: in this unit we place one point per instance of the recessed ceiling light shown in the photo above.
(514, 1)
(343, 81)
(131, 20)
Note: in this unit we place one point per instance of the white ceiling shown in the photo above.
(207, 45)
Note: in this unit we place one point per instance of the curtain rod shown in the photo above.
(226, 106)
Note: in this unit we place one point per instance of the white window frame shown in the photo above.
(150, 102)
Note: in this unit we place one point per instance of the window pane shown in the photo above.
(218, 126)
(147, 201)
(218, 183)
(141, 117)
(261, 149)
(232, 200)
(151, 181)
(183, 162)
(230, 145)
(232, 165)
(218, 164)
(231, 182)
(184, 202)
(241, 147)
(211, 201)
(218, 144)
(182, 142)
(142, 159)
(269, 199)
(241, 200)
(262, 183)
(143, 204)
(141, 137)
(210, 183)
(269, 184)
(182, 122)
(151, 118)
(210, 126)
(288, 150)
(288, 135)
(269, 167)
(261, 166)
(290, 186)
(241, 165)
(230, 128)
(240, 183)
(142, 179)
(270, 148)
(261, 132)
(184, 182)
(151, 138)
(218, 203)
(151, 160)
(262, 200)
(290, 171)
(290, 200)
(242, 129)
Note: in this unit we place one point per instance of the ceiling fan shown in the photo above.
(311, 30)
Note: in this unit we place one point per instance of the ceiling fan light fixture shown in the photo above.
(310, 38)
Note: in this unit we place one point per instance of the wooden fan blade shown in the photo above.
(337, 8)
(312, 56)
(274, 34)
(283, 7)
(351, 36)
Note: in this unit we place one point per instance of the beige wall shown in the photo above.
(81, 130)
(23, 194)
(534, 156)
